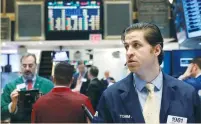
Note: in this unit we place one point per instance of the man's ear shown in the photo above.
(157, 49)
(195, 67)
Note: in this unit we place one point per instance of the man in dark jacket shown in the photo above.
(96, 87)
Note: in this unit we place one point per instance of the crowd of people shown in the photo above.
(146, 95)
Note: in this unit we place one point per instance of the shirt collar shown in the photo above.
(61, 89)
(83, 74)
(33, 80)
(157, 82)
(198, 75)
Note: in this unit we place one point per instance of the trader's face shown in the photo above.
(194, 70)
(28, 67)
(81, 68)
(140, 55)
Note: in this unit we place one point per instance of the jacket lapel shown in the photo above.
(130, 99)
(37, 84)
(167, 97)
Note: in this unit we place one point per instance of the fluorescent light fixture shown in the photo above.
(171, 1)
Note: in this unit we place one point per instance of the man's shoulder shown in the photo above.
(78, 96)
(178, 84)
(14, 82)
(44, 80)
(114, 89)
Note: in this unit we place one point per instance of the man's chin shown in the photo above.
(28, 77)
(133, 69)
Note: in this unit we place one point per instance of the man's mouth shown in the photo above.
(130, 61)
(27, 73)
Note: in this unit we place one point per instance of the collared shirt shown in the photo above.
(195, 82)
(83, 74)
(33, 81)
(142, 92)
(198, 75)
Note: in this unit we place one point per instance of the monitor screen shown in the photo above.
(74, 18)
(181, 59)
(166, 64)
(7, 78)
(192, 14)
(59, 56)
(187, 19)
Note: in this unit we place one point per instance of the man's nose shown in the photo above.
(27, 68)
(130, 52)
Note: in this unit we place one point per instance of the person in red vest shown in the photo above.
(61, 105)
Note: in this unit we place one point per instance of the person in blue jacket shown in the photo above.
(192, 75)
(147, 95)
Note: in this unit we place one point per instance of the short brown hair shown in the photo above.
(63, 73)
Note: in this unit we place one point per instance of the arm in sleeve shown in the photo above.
(193, 82)
(5, 101)
(102, 114)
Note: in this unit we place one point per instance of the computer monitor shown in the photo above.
(59, 56)
(73, 19)
(187, 16)
(192, 14)
(7, 78)
(167, 63)
(181, 59)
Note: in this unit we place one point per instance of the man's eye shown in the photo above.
(30, 66)
(136, 45)
(126, 47)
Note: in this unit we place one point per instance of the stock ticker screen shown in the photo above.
(73, 15)
(192, 14)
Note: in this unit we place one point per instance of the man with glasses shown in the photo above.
(28, 81)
